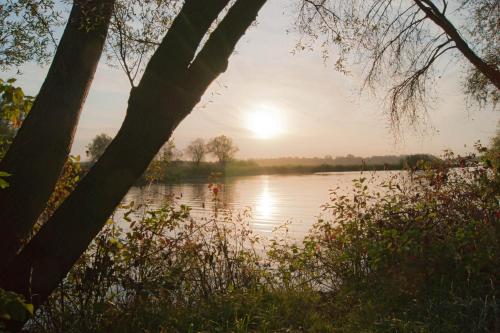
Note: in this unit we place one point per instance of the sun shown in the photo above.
(265, 122)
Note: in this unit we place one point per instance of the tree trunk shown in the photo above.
(42, 145)
(433, 13)
(171, 86)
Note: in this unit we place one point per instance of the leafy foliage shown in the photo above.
(492, 153)
(70, 176)
(223, 148)
(13, 307)
(26, 31)
(420, 255)
(136, 29)
(3, 182)
(483, 25)
(159, 262)
(14, 107)
(403, 48)
(97, 147)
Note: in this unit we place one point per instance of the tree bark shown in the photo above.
(433, 13)
(42, 145)
(171, 86)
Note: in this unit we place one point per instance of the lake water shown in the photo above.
(272, 199)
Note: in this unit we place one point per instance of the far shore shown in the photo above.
(180, 171)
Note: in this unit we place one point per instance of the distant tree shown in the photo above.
(415, 159)
(97, 147)
(222, 148)
(197, 150)
(168, 152)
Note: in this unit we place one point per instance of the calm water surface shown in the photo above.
(272, 199)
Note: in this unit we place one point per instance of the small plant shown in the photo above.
(3, 182)
(13, 307)
(421, 255)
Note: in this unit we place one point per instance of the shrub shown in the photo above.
(423, 256)
(420, 253)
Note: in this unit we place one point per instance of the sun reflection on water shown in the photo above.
(266, 204)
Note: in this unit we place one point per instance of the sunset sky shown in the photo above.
(274, 103)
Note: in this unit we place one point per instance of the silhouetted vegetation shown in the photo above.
(177, 170)
(14, 107)
(223, 148)
(401, 45)
(97, 147)
(197, 150)
(420, 257)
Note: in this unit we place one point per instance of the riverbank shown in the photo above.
(186, 171)
(421, 256)
(181, 171)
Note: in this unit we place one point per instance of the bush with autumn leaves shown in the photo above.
(416, 252)
(419, 254)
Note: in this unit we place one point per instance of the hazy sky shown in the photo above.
(315, 111)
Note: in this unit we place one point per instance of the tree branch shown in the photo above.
(491, 72)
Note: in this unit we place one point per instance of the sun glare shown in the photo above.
(265, 207)
(265, 122)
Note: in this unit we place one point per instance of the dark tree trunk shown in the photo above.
(433, 13)
(172, 85)
(42, 145)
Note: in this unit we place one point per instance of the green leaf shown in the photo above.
(3, 184)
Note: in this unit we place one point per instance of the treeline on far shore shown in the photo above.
(179, 170)
(174, 165)
(176, 171)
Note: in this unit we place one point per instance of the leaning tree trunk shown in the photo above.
(42, 145)
(433, 13)
(172, 85)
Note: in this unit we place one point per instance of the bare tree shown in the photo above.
(222, 148)
(197, 150)
(404, 45)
